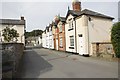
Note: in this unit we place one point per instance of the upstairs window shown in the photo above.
(70, 22)
(60, 29)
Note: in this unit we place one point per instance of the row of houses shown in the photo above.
(85, 32)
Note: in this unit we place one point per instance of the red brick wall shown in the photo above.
(76, 6)
(62, 34)
(56, 36)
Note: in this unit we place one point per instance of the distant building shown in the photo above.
(34, 41)
(47, 38)
(44, 39)
(18, 25)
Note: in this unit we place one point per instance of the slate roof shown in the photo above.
(73, 13)
(12, 22)
(55, 23)
(93, 13)
(87, 12)
(63, 19)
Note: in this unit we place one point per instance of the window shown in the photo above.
(70, 24)
(60, 28)
(71, 40)
(80, 35)
(61, 43)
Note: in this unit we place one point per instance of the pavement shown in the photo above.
(45, 63)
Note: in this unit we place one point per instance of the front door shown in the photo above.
(81, 46)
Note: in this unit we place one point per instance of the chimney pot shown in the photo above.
(22, 18)
(76, 4)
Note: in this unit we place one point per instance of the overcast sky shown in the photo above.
(38, 14)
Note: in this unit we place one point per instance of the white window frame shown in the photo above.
(72, 41)
(61, 42)
(70, 22)
(60, 29)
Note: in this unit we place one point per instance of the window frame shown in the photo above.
(72, 41)
(61, 42)
(70, 22)
(60, 27)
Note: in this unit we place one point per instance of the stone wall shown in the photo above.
(103, 49)
(11, 56)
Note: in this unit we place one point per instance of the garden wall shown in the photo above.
(11, 56)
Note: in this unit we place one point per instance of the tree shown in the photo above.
(10, 34)
(115, 38)
(33, 33)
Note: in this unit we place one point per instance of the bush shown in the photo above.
(115, 38)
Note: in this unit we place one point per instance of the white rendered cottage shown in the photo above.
(92, 27)
(70, 27)
(84, 28)
(18, 25)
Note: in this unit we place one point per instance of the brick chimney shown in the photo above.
(22, 18)
(76, 4)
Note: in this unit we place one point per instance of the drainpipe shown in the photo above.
(75, 36)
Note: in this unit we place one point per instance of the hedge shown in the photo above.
(115, 38)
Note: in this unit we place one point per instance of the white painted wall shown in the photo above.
(38, 41)
(68, 34)
(51, 42)
(101, 28)
(44, 39)
(97, 30)
(81, 29)
(47, 40)
(20, 29)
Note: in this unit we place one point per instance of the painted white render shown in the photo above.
(51, 42)
(44, 39)
(38, 40)
(47, 39)
(99, 30)
(82, 35)
(70, 33)
(20, 29)
(87, 32)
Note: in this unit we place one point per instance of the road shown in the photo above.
(44, 63)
